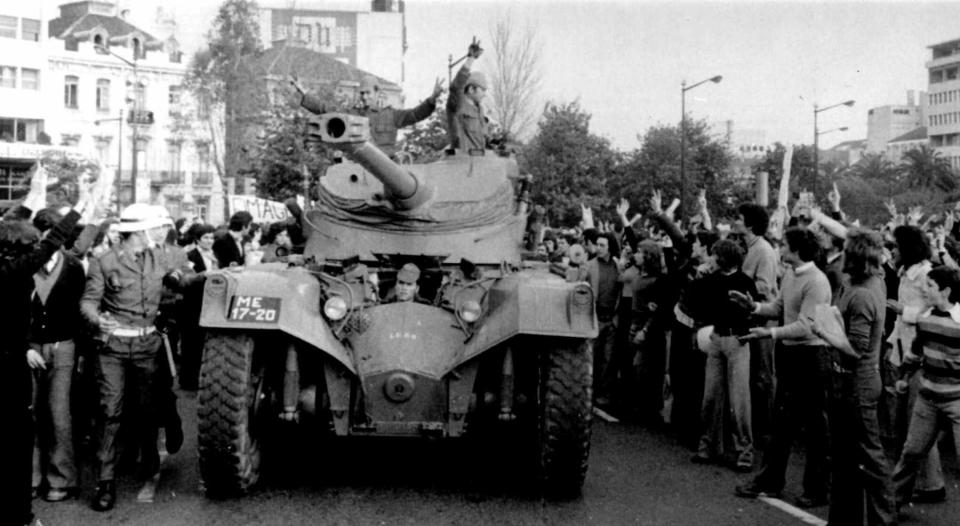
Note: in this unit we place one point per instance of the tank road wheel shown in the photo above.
(227, 409)
(566, 413)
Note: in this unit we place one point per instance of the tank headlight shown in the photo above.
(216, 285)
(469, 311)
(335, 308)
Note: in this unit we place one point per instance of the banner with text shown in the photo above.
(262, 210)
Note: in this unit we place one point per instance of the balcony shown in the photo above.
(202, 179)
(164, 176)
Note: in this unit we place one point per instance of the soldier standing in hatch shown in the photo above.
(384, 120)
(466, 122)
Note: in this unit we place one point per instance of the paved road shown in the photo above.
(636, 476)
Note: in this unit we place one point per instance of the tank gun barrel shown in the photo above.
(351, 135)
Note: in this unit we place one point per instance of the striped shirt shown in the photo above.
(938, 339)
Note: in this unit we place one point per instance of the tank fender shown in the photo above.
(276, 298)
(535, 304)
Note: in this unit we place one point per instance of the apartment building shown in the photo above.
(943, 95)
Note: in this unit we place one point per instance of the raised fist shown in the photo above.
(474, 51)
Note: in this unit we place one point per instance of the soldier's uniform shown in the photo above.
(129, 287)
(466, 121)
(384, 122)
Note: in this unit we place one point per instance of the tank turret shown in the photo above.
(351, 135)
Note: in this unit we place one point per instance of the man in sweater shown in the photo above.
(760, 264)
(936, 353)
(802, 362)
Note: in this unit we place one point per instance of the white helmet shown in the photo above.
(141, 216)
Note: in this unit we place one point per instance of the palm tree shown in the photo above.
(874, 166)
(924, 167)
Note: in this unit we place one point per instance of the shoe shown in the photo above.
(753, 490)
(174, 436)
(702, 459)
(805, 501)
(59, 494)
(106, 496)
(929, 496)
(743, 468)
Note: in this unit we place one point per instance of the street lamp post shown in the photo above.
(816, 138)
(683, 135)
(137, 117)
(119, 120)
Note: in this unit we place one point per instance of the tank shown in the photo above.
(492, 343)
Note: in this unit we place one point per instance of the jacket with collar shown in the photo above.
(58, 318)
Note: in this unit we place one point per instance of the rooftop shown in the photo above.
(916, 134)
(311, 65)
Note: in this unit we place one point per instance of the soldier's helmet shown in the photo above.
(477, 78)
(141, 216)
(369, 84)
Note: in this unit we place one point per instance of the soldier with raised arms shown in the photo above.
(384, 120)
(466, 121)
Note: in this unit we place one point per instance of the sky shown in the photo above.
(625, 61)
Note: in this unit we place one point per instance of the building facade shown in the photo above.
(89, 82)
(887, 122)
(943, 95)
(368, 35)
(906, 142)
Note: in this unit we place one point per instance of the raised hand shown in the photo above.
(437, 89)
(656, 202)
(587, 216)
(672, 208)
(834, 198)
(702, 200)
(622, 208)
(891, 208)
(474, 51)
(916, 212)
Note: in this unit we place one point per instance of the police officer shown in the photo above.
(122, 297)
(467, 123)
(384, 120)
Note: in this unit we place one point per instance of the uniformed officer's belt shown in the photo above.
(133, 332)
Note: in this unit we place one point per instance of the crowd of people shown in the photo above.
(751, 334)
(100, 317)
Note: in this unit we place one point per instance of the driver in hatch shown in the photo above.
(406, 288)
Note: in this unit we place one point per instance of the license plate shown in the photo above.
(256, 309)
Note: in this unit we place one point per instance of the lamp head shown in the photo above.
(849, 102)
(844, 128)
(718, 78)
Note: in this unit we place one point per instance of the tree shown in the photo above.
(925, 168)
(516, 76)
(656, 165)
(570, 165)
(426, 141)
(281, 158)
(216, 72)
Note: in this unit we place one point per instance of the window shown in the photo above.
(30, 29)
(8, 26)
(173, 152)
(139, 51)
(173, 98)
(203, 109)
(30, 79)
(103, 95)
(70, 87)
(139, 94)
(27, 130)
(304, 33)
(8, 77)
(7, 126)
